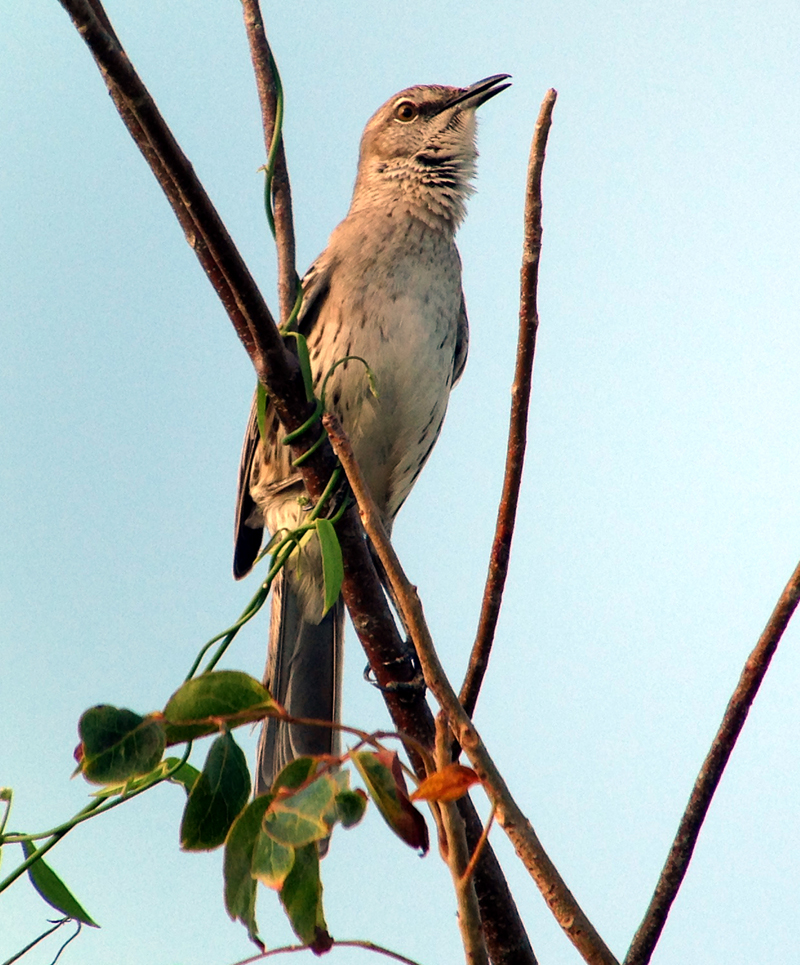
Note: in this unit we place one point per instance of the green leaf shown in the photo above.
(383, 776)
(332, 568)
(302, 817)
(53, 889)
(261, 412)
(195, 709)
(218, 795)
(240, 886)
(272, 861)
(6, 797)
(301, 897)
(186, 775)
(117, 744)
(350, 807)
(296, 773)
(305, 365)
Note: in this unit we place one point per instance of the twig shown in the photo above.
(520, 400)
(470, 869)
(567, 912)
(457, 857)
(710, 773)
(352, 943)
(46, 934)
(267, 83)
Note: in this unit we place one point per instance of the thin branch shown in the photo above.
(710, 773)
(567, 911)
(352, 943)
(518, 422)
(457, 858)
(470, 869)
(268, 84)
(46, 934)
(505, 935)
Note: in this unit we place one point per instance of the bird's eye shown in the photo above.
(406, 111)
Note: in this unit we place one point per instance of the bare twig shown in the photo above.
(267, 83)
(470, 869)
(457, 858)
(45, 934)
(710, 773)
(520, 399)
(354, 943)
(567, 911)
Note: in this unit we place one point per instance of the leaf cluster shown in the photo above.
(275, 839)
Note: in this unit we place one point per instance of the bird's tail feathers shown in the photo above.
(304, 674)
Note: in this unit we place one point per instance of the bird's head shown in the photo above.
(418, 150)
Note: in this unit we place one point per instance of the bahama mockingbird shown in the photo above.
(387, 289)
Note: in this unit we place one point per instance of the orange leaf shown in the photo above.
(449, 784)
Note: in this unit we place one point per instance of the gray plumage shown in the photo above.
(387, 288)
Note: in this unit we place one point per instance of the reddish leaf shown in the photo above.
(386, 785)
(449, 784)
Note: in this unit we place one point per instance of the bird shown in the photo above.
(386, 290)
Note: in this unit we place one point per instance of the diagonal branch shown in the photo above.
(203, 227)
(566, 909)
(710, 773)
(520, 400)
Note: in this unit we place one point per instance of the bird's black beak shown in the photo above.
(477, 94)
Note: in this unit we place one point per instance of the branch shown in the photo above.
(352, 943)
(520, 400)
(503, 930)
(716, 760)
(457, 858)
(202, 225)
(568, 913)
(268, 84)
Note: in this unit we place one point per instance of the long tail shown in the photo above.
(304, 673)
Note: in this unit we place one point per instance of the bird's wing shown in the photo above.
(247, 531)
(462, 342)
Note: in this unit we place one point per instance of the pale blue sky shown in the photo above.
(659, 517)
